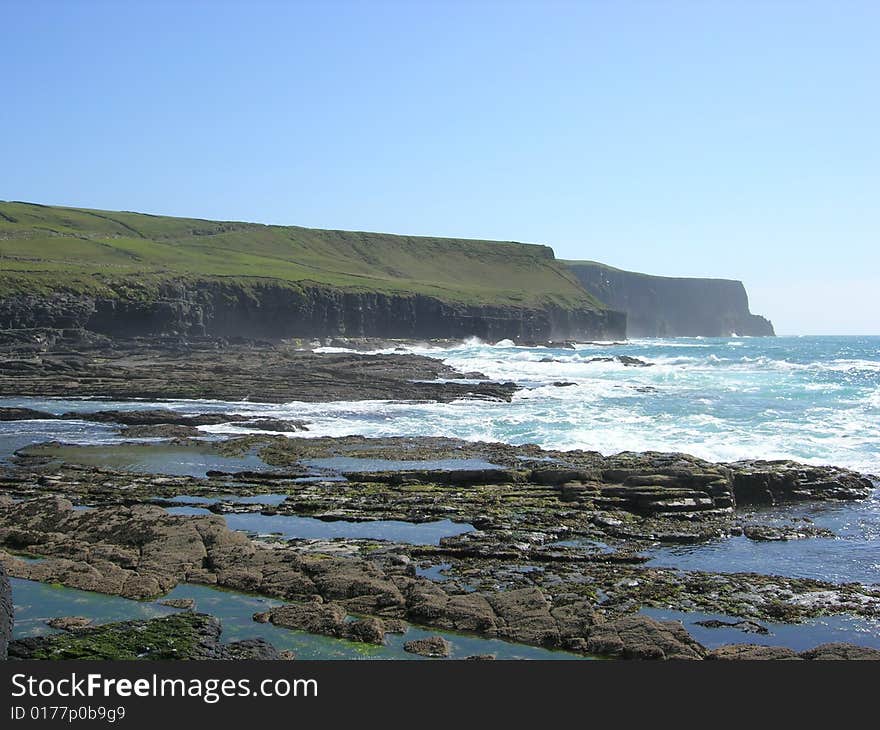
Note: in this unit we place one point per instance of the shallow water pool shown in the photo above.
(294, 526)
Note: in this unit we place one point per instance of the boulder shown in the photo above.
(641, 637)
(434, 646)
(525, 616)
(771, 482)
(186, 604)
(69, 623)
(327, 619)
(746, 625)
(781, 533)
(251, 649)
(24, 414)
(428, 604)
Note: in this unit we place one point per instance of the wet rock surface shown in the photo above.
(752, 652)
(158, 422)
(185, 604)
(772, 482)
(327, 619)
(841, 651)
(162, 431)
(554, 560)
(156, 417)
(23, 414)
(749, 627)
(824, 652)
(221, 370)
(434, 646)
(253, 649)
(6, 613)
(68, 623)
(773, 533)
(640, 637)
(625, 360)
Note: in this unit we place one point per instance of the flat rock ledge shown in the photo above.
(821, 652)
(69, 623)
(327, 619)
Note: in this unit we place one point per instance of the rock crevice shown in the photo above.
(6, 615)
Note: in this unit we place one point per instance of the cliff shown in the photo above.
(659, 306)
(268, 310)
(131, 274)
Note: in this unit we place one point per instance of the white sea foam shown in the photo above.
(766, 400)
(804, 399)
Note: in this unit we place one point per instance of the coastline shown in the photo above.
(512, 575)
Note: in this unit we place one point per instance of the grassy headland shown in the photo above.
(46, 249)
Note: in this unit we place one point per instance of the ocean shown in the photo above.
(814, 399)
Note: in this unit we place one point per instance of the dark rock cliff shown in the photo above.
(5, 612)
(659, 306)
(273, 311)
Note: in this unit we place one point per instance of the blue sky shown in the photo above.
(731, 139)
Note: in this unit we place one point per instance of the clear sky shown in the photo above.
(732, 139)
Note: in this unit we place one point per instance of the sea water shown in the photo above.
(815, 399)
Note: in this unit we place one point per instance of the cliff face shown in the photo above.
(659, 306)
(273, 311)
(5, 612)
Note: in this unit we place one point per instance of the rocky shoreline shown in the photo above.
(36, 365)
(549, 549)
(513, 577)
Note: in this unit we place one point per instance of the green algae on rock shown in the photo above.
(178, 636)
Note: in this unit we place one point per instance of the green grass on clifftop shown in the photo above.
(597, 266)
(48, 248)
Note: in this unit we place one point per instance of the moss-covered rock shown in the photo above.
(179, 636)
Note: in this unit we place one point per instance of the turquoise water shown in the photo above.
(853, 554)
(36, 602)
